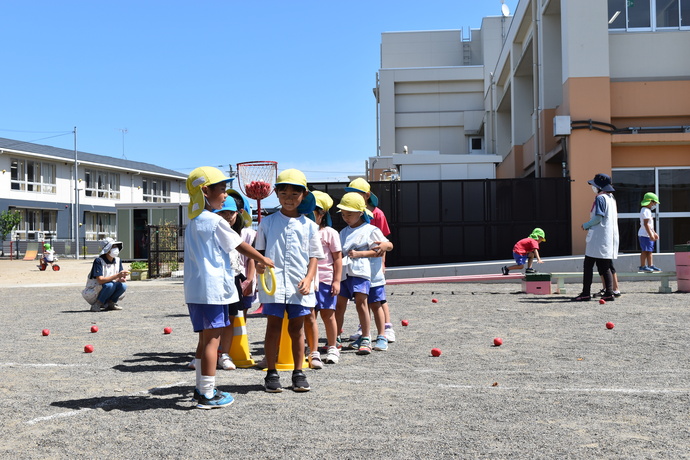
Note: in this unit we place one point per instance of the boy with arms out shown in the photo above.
(209, 282)
(292, 240)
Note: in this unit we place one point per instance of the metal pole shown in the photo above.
(76, 198)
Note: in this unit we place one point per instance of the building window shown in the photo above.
(36, 224)
(156, 190)
(102, 184)
(32, 176)
(476, 145)
(99, 226)
(636, 15)
(672, 216)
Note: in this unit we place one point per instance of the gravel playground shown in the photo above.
(562, 385)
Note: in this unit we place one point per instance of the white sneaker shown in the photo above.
(333, 355)
(97, 306)
(192, 364)
(389, 333)
(225, 362)
(315, 360)
(357, 334)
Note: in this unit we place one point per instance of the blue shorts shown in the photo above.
(246, 302)
(205, 316)
(324, 299)
(646, 244)
(293, 310)
(520, 259)
(354, 285)
(377, 294)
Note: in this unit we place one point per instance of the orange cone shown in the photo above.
(285, 361)
(239, 348)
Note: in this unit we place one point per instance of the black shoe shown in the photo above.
(599, 294)
(608, 297)
(530, 270)
(272, 382)
(582, 298)
(299, 381)
(505, 270)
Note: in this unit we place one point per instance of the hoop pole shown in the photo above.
(258, 211)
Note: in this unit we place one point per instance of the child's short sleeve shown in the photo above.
(376, 236)
(227, 238)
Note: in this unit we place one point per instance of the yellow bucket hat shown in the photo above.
(325, 202)
(200, 177)
(297, 177)
(361, 185)
(354, 202)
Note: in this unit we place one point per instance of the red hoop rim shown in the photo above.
(258, 163)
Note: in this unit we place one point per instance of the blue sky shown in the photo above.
(208, 82)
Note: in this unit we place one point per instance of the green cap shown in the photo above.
(538, 233)
(648, 198)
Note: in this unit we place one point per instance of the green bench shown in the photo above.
(664, 278)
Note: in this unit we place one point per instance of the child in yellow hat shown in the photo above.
(360, 242)
(646, 235)
(209, 281)
(292, 240)
(330, 270)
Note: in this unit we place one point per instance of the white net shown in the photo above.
(257, 178)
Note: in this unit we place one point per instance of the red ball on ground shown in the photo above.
(167, 330)
(602, 301)
(434, 300)
(45, 332)
(498, 341)
(94, 328)
(88, 349)
(609, 325)
(404, 322)
(435, 352)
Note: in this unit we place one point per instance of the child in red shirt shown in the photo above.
(526, 250)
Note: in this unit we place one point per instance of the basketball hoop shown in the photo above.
(257, 179)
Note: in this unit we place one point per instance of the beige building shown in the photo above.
(561, 88)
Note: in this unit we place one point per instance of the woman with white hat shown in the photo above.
(108, 271)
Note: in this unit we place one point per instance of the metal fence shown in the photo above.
(454, 221)
(165, 251)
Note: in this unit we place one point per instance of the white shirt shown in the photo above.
(208, 275)
(360, 238)
(645, 213)
(290, 242)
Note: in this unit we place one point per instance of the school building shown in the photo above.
(75, 199)
(560, 88)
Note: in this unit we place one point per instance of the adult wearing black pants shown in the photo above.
(602, 238)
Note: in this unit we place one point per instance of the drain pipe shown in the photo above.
(535, 88)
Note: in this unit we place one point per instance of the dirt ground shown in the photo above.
(562, 385)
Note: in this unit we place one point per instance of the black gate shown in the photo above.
(166, 250)
(452, 221)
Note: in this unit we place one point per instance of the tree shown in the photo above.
(8, 221)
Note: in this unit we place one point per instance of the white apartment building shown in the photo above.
(38, 181)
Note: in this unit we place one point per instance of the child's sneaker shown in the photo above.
(97, 306)
(225, 362)
(357, 334)
(315, 361)
(364, 347)
(505, 270)
(389, 333)
(339, 343)
(332, 355)
(299, 381)
(645, 269)
(219, 399)
(599, 294)
(192, 364)
(381, 343)
(530, 270)
(110, 306)
(272, 382)
(355, 345)
(654, 268)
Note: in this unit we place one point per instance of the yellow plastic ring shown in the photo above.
(273, 281)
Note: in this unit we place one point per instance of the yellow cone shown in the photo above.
(239, 348)
(285, 361)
